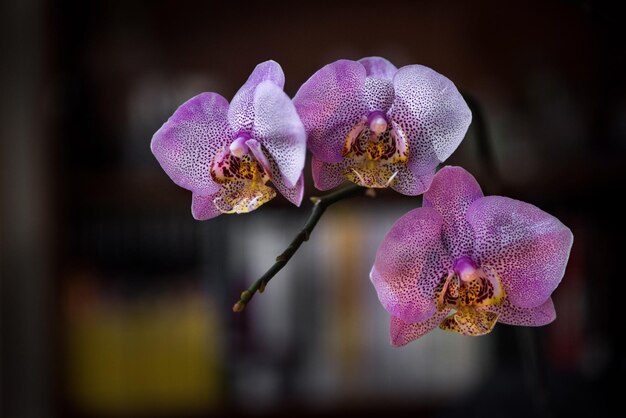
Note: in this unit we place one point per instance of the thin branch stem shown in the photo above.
(320, 204)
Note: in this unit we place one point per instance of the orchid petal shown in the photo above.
(279, 129)
(187, 143)
(528, 317)
(293, 194)
(431, 112)
(528, 247)
(203, 208)
(327, 176)
(330, 104)
(413, 183)
(378, 67)
(402, 333)
(241, 111)
(451, 193)
(410, 263)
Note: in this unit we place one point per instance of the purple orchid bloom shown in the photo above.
(226, 154)
(378, 126)
(464, 262)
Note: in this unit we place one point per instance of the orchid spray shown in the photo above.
(461, 262)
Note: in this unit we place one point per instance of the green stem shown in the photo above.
(320, 204)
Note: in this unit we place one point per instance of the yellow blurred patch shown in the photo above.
(156, 353)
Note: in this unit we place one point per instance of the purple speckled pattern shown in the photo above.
(431, 112)
(410, 263)
(423, 106)
(401, 332)
(327, 176)
(186, 143)
(203, 208)
(378, 88)
(530, 317)
(527, 248)
(451, 194)
(241, 110)
(202, 129)
(279, 130)
(330, 103)
(523, 244)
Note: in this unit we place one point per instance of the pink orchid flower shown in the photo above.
(464, 262)
(379, 126)
(226, 154)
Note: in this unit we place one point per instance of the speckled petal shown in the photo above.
(401, 332)
(528, 317)
(528, 247)
(203, 208)
(278, 128)
(241, 112)
(451, 193)
(187, 143)
(293, 194)
(327, 176)
(378, 94)
(330, 104)
(431, 113)
(379, 83)
(378, 67)
(413, 183)
(410, 263)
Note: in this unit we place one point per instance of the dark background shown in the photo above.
(115, 302)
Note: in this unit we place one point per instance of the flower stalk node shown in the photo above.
(320, 206)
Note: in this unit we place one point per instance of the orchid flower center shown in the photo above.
(374, 151)
(470, 291)
(243, 171)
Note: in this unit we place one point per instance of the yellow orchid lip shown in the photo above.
(470, 291)
(375, 151)
(243, 182)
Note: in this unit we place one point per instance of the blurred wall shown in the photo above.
(27, 246)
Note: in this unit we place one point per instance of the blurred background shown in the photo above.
(115, 303)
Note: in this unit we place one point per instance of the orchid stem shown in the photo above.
(320, 204)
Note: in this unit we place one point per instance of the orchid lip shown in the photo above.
(242, 171)
(472, 292)
(374, 151)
